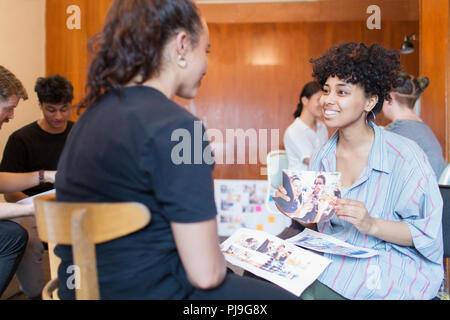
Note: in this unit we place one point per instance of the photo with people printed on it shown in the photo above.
(308, 196)
(273, 259)
(267, 255)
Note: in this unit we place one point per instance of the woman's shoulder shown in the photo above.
(407, 126)
(400, 144)
(296, 128)
(410, 154)
(157, 106)
(321, 125)
(144, 109)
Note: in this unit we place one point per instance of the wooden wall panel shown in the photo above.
(435, 63)
(256, 70)
(307, 11)
(240, 93)
(67, 50)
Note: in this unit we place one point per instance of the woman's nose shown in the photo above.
(328, 99)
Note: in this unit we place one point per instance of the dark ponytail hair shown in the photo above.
(408, 89)
(308, 91)
(132, 40)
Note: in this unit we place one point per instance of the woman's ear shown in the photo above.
(181, 41)
(371, 103)
(391, 96)
(305, 100)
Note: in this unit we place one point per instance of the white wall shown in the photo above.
(22, 51)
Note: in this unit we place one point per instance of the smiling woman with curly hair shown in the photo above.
(389, 202)
(374, 68)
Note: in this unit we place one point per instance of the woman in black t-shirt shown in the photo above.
(125, 148)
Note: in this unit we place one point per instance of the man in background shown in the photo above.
(39, 144)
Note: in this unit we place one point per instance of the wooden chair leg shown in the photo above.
(50, 291)
(54, 261)
(447, 271)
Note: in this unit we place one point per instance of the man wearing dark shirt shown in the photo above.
(38, 146)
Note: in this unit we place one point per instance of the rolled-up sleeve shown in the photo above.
(420, 207)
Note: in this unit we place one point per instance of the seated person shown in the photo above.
(388, 201)
(400, 110)
(14, 238)
(306, 134)
(39, 144)
(131, 157)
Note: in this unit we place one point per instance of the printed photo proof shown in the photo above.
(274, 259)
(317, 241)
(308, 196)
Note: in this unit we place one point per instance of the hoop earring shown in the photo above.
(374, 117)
(181, 62)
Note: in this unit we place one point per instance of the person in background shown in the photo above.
(304, 137)
(39, 144)
(307, 133)
(147, 53)
(388, 203)
(13, 237)
(400, 110)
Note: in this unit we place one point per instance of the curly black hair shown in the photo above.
(374, 68)
(54, 89)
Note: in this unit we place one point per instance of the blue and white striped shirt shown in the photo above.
(397, 184)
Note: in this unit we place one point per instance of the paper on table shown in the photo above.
(274, 259)
(29, 200)
(324, 243)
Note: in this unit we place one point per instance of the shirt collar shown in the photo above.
(378, 157)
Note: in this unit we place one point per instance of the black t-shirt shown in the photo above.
(121, 149)
(30, 149)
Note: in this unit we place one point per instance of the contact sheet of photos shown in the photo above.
(273, 259)
(240, 204)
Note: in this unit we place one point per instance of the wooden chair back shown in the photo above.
(83, 225)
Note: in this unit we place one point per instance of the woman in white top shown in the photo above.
(306, 134)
